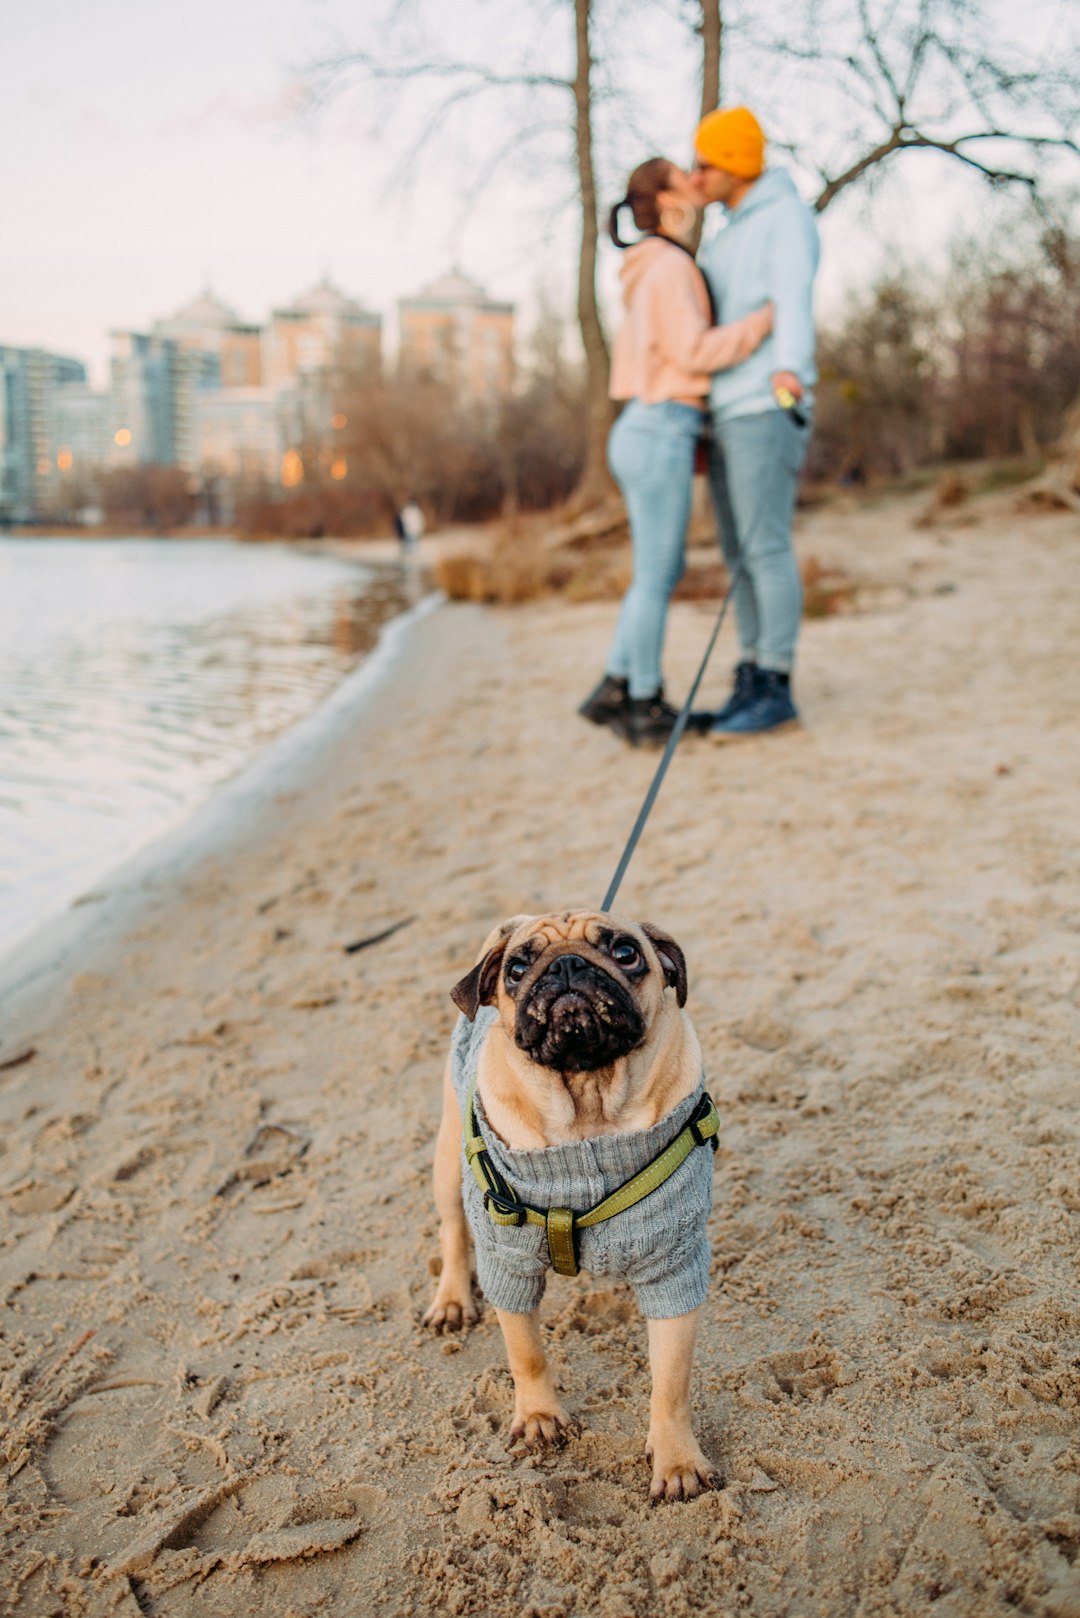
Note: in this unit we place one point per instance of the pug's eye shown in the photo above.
(626, 954)
(516, 971)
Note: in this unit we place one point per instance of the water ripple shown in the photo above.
(137, 674)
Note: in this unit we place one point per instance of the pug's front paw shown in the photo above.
(544, 1428)
(453, 1307)
(680, 1470)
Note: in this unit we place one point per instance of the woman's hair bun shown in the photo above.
(642, 191)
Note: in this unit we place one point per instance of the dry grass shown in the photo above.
(527, 558)
(521, 563)
(950, 493)
(508, 575)
(826, 590)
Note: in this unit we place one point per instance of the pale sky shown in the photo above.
(152, 146)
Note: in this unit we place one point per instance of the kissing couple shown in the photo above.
(722, 349)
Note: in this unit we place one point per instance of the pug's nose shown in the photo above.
(567, 969)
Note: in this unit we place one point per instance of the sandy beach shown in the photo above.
(217, 1233)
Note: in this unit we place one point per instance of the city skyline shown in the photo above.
(231, 402)
(388, 317)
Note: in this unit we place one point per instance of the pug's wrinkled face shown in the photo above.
(578, 990)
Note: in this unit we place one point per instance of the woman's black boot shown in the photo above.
(646, 721)
(607, 701)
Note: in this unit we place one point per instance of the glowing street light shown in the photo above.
(339, 421)
(122, 436)
(292, 469)
(338, 469)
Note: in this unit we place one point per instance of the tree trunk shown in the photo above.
(1025, 426)
(711, 29)
(595, 484)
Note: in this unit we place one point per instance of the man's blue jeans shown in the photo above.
(651, 455)
(754, 468)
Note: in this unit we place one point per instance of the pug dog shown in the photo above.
(572, 1068)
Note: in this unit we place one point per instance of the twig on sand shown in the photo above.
(71, 1351)
(27, 1056)
(377, 938)
(264, 1131)
(265, 1168)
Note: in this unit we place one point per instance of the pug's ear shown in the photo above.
(672, 959)
(501, 933)
(478, 987)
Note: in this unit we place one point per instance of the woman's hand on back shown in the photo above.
(762, 322)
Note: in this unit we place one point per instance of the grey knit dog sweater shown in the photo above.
(659, 1245)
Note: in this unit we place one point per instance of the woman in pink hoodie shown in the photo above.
(664, 355)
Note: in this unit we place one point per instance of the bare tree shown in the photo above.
(594, 481)
(533, 87)
(978, 364)
(922, 75)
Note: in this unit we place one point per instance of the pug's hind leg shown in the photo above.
(452, 1307)
(680, 1468)
(539, 1418)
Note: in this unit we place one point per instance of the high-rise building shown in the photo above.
(212, 327)
(82, 422)
(241, 434)
(145, 380)
(17, 457)
(214, 349)
(31, 381)
(453, 331)
(322, 331)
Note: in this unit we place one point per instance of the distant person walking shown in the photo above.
(661, 364)
(410, 527)
(769, 249)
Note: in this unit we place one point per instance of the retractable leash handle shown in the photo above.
(787, 401)
(669, 751)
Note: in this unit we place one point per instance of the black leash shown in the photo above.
(669, 751)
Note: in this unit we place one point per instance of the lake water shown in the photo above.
(137, 674)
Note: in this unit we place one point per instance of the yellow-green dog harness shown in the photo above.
(561, 1225)
(555, 1207)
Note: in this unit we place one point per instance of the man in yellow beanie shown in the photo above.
(762, 409)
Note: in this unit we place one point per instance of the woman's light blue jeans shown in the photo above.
(651, 455)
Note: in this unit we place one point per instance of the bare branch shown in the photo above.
(874, 44)
(378, 68)
(1061, 141)
(903, 138)
(869, 160)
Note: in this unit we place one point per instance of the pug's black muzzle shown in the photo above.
(575, 1018)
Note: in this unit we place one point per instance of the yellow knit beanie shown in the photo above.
(733, 140)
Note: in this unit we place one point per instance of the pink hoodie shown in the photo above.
(667, 347)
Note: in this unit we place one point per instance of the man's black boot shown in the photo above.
(743, 692)
(770, 709)
(742, 695)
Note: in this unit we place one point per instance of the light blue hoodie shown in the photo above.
(768, 249)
